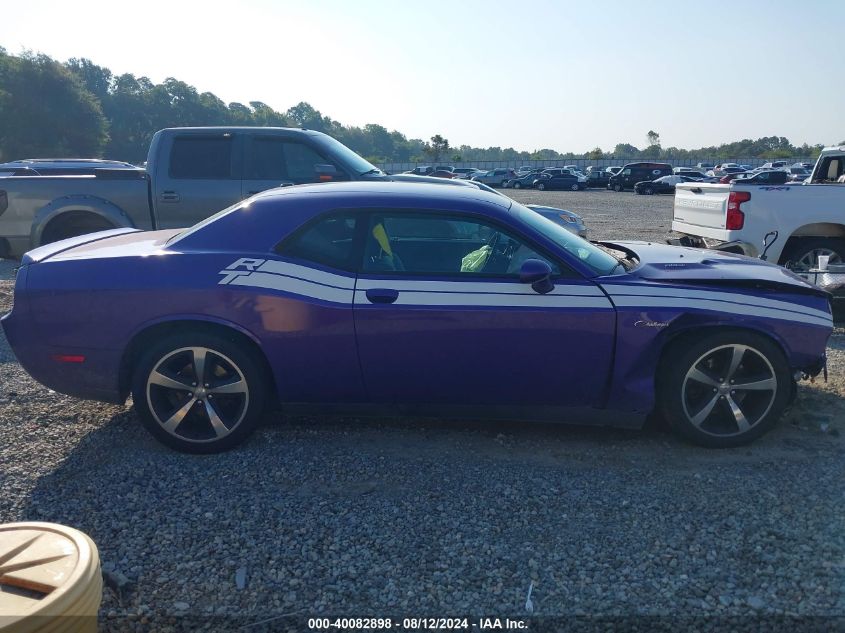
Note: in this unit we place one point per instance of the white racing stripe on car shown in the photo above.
(475, 287)
(482, 299)
(639, 301)
(295, 286)
(728, 297)
(308, 274)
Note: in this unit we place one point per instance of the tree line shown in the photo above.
(80, 109)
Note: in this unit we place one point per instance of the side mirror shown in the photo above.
(537, 273)
(326, 172)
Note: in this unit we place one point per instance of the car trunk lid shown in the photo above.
(112, 243)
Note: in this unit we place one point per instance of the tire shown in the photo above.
(574, 187)
(618, 188)
(648, 191)
(804, 252)
(541, 186)
(517, 185)
(177, 409)
(74, 224)
(699, 401)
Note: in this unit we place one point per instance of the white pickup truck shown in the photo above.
(809, 217)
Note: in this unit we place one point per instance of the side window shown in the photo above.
(626, 172)
(265, 159)
(438, 244)
(201, 158)
(276, 158)
(328, 241)
(302, 163)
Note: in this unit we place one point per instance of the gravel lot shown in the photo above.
(406, 517)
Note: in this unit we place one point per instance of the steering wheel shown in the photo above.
(499, 253)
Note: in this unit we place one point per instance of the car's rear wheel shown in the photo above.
(517, 185)
(726, 389)
(617, 188)
(199, 393)
(804, 253)
(574, 186)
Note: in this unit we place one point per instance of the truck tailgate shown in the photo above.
(701, 209)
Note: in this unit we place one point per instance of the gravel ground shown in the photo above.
(333, 516)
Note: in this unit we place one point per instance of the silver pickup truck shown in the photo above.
(190, 174)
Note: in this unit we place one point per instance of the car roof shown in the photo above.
(250, 224)
(388, 188)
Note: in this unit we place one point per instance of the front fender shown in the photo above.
(643, 337)
(94, 205)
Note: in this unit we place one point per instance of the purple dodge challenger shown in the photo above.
(415, 298)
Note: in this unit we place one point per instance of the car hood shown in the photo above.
(678, 264)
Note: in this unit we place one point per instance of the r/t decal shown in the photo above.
(239, 268)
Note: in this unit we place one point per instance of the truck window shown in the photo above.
(834, 169)
(201, 158)
(276, 158)
(301, 162)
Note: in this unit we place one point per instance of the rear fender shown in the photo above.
(94, 205)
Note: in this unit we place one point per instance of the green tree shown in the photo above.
(436, 148)
(46, 111)
(595, 154)
(653, 138)
(96, 79)
(625, 150)
(304, 115)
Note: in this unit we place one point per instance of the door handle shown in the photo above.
(169, 196)
(382, 295)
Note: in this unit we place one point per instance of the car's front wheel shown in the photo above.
(517, 185)
(648, 191)
(617, 188)
(725, 389)
(199, 393)
(541, 186)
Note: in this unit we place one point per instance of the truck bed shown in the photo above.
(22, 198)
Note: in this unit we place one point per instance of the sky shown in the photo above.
(555, 74)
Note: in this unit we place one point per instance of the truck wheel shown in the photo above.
(725, 389)
(73, 224)
(804, 253)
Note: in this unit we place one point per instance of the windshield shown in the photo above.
(357, 164)
(601, 262)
